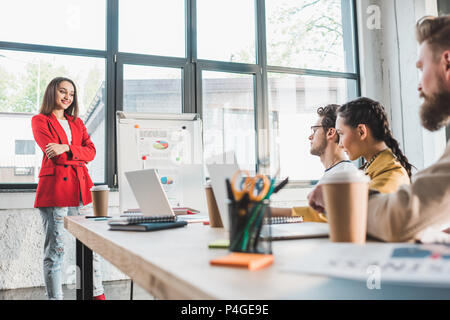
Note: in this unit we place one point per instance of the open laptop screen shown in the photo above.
(149, 193)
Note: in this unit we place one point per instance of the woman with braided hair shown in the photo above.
(364, 131)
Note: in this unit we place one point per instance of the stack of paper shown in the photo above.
(403, 263)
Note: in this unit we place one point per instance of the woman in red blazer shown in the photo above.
(64, 182)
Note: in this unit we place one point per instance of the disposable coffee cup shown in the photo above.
(346, 195)
(100, 200)
(214, 216)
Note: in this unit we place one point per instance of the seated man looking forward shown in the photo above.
(325, 144)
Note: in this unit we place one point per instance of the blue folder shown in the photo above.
(152, 226)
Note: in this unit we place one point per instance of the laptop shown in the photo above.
(218, 173)
(149, 193)
(193, 187)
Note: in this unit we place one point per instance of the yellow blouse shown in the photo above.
(386, 176)
(386, 173)
(309, 214)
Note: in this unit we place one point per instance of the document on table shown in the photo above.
(401, 263)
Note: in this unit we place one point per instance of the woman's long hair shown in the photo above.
(372, 114)
(49, 100)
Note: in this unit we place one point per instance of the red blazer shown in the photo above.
(64, 178)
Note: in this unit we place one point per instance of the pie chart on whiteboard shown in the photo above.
(161, 145)
(166, 180)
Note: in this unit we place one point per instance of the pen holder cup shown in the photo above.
(249, 230)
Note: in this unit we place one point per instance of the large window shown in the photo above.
(152, 27)
(226, 30)
(24, 77)
(311, 62)
(152, 89)
(229, 116)
(255, 71)
(69, 23)
(293, 103)
(310, 34)
(25, 147)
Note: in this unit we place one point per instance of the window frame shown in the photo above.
(192, 69)
(26, 141)
(80, 52)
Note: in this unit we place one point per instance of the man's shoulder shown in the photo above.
(345, 165)
(447, 148)
(340, 167)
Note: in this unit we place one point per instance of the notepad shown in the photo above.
(251, 261)
(153, 226)
(140, 219)
(278, 220)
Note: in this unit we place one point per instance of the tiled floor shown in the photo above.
(114, 290)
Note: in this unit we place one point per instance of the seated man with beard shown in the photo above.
(407, 214)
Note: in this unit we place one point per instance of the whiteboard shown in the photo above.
(170, 143)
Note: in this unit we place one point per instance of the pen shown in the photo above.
(100, 218)
(229, 190)
(97, 217)
(281, 185)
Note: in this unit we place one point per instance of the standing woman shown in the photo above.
(64, 182)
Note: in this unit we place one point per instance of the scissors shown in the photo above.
(259, 183)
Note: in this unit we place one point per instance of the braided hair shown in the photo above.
(372, 114)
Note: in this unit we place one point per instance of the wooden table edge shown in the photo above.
(156, 281)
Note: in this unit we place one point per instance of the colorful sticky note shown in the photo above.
(251, 261)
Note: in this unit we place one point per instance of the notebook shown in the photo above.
(140, 219)
(153, 226)
(278, 220)
(304, 230)
(176, 210)
(149, 193)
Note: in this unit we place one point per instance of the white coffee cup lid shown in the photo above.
(103, 187)
(345, 177)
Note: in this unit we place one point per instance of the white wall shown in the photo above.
(22, 239)
(388, 57)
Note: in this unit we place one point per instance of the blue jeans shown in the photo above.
(53, 221)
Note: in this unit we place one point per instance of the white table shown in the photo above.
(174, 264)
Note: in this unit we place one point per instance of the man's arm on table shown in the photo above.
(404, 215)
